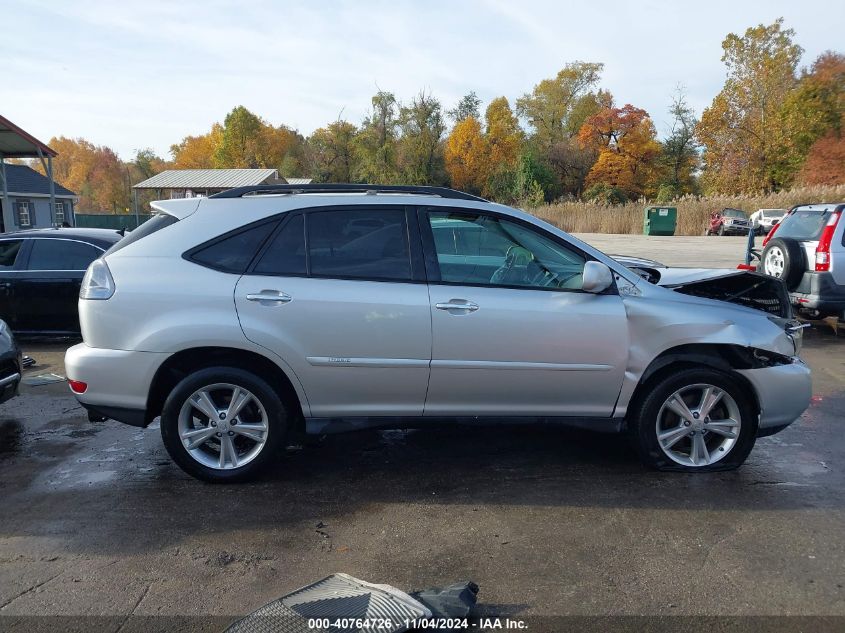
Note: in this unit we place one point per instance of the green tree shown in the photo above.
(467, 107)
(376, 142)
(333, 152)
(679, 157)
(555, 111)
(239, 144)
(742, 130)
(556, 108)
(421, 144)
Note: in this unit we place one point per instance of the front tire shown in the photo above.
(694, 420)
(223, 424)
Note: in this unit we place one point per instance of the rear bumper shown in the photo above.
(118, 380)
(783, 393)
(819, 291)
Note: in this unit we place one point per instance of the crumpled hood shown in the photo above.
(678, 276)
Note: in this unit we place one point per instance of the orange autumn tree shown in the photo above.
(626, 142)
(94, 172)
(467, 156)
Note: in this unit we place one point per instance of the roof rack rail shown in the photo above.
(442, 192)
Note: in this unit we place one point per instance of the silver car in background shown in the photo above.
(265, 312)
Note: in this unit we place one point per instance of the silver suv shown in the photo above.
(259, 313)
(807, 251)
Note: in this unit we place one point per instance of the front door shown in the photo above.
(340, 295)
(513, 333)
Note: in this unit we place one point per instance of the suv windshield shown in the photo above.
(803, 224)
(733, 213)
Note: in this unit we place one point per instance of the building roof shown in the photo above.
(15, 143)
(207, 178)
(25, 180)
(298, 181)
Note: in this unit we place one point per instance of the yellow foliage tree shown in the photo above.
(467, 156)
(504, 136)
(197, 152)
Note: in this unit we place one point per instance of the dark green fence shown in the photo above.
(117, 222)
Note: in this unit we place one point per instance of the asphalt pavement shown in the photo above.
(96, 521)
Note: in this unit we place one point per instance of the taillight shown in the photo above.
(77, 386)
(772, 232)
(823, 249)
(97, 282)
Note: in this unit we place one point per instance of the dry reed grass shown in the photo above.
(693, 211)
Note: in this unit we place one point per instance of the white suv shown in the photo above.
(261, 312)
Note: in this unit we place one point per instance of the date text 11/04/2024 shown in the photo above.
(376, 624)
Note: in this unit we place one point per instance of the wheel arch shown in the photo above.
(722, 357)
(184, 362)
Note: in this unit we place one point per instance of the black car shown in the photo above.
(40, 274)
(10, 364)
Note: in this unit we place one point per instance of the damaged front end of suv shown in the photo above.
(733, 320)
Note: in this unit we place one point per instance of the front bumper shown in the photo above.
(10, 369)
(819, 291)
(118, 380)
(783, 392)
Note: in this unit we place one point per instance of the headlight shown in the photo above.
(97, 282)
(793, 329)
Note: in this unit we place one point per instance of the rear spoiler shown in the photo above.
(179, 208)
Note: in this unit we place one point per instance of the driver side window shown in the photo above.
(483, 249)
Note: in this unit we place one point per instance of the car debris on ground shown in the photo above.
(343, 602)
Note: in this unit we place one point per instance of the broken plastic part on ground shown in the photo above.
(343, 599)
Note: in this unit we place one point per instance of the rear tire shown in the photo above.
(784, 259)
(223, 424)
(666, 440)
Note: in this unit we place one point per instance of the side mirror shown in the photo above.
(596, 278)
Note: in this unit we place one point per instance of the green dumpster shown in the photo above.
(660, 220)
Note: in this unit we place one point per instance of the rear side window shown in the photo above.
(9, 250)
(285, 254)
(155, 223)
(61, 255)
(232, 254)
(359, 243)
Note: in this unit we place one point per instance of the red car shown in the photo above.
(728, 222)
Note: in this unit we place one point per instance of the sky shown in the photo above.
(133, 75)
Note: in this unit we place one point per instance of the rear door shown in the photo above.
(11, 255)
(47, 289)
(339, 293)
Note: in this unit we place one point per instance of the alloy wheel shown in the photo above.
(698, 425)
(223, 426)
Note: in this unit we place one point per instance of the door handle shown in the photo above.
(457, 305)
(269, 297)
